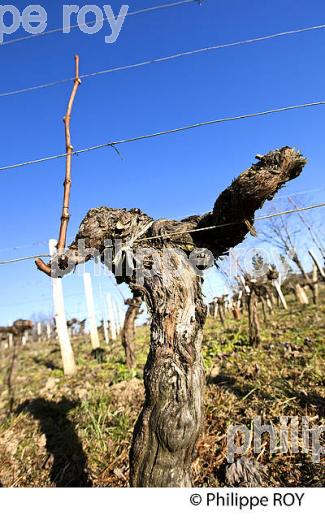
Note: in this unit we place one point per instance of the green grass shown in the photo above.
(62, 430)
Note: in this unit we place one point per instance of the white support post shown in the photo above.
(91, 311)
(246, 288)
(315, 282)
(121, 316)
(118, 315)
(111, 316)
(278, 289)
(68, 361)
(103, 313)
(105, 327)
(317, 264)
(301, 294)
(48, 331)
(115, 315)
(39, 330)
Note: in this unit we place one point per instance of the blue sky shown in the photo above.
(171, 176)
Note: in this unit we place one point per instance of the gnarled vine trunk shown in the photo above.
(169, 424)
(221, 310)
(128, 331)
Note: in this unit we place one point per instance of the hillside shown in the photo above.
(77, 432)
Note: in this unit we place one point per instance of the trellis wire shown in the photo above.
(179, 233)
(163, 59)
(105, 18)
(166, 132)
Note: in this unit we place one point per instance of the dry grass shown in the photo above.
(77, 432)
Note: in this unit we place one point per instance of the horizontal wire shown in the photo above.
(163, 59)
(44, 242)
(179, 233)
(22, 259)
(289, 211)
(25, 246)
(165, 132)
(99, 20)
(34, 244)
(208, 228)
(37, 87)
(277, 197)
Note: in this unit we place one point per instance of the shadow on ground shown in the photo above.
(313, 400)
(230, 383)
(69, 466)
(45, 363)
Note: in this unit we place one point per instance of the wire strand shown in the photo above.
(105, 18)
(277, 197)
(163, 59)
(164, 132)
(183, 217)
(22, 259)
(209, 228)
(179, 233)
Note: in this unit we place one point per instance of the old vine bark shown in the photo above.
(128, 332)
(169, 424)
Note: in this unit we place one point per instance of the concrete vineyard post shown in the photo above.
(91, 311)
(111, 316)
(69, 365)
